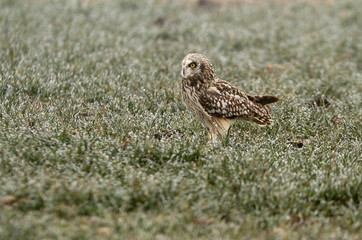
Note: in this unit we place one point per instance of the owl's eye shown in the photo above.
(192, 65)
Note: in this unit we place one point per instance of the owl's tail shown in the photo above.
(262, 101)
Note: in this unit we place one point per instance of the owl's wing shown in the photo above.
(225, 100)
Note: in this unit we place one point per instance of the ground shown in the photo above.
(95, 142)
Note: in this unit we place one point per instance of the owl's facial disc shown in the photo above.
(189, 67)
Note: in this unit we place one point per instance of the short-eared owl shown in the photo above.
(218, 103)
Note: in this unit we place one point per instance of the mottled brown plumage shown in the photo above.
(217, 103)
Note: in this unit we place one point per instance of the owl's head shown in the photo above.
(197, 65)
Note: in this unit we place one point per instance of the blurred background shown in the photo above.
(95, 142)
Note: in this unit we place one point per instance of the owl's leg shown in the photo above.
(222, 126)
(211, 134)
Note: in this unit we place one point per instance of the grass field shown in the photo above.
(95, 142)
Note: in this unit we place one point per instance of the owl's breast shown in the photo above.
(191, 96)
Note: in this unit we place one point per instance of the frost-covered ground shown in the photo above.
(95, 142)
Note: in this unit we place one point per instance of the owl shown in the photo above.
(218, 103)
